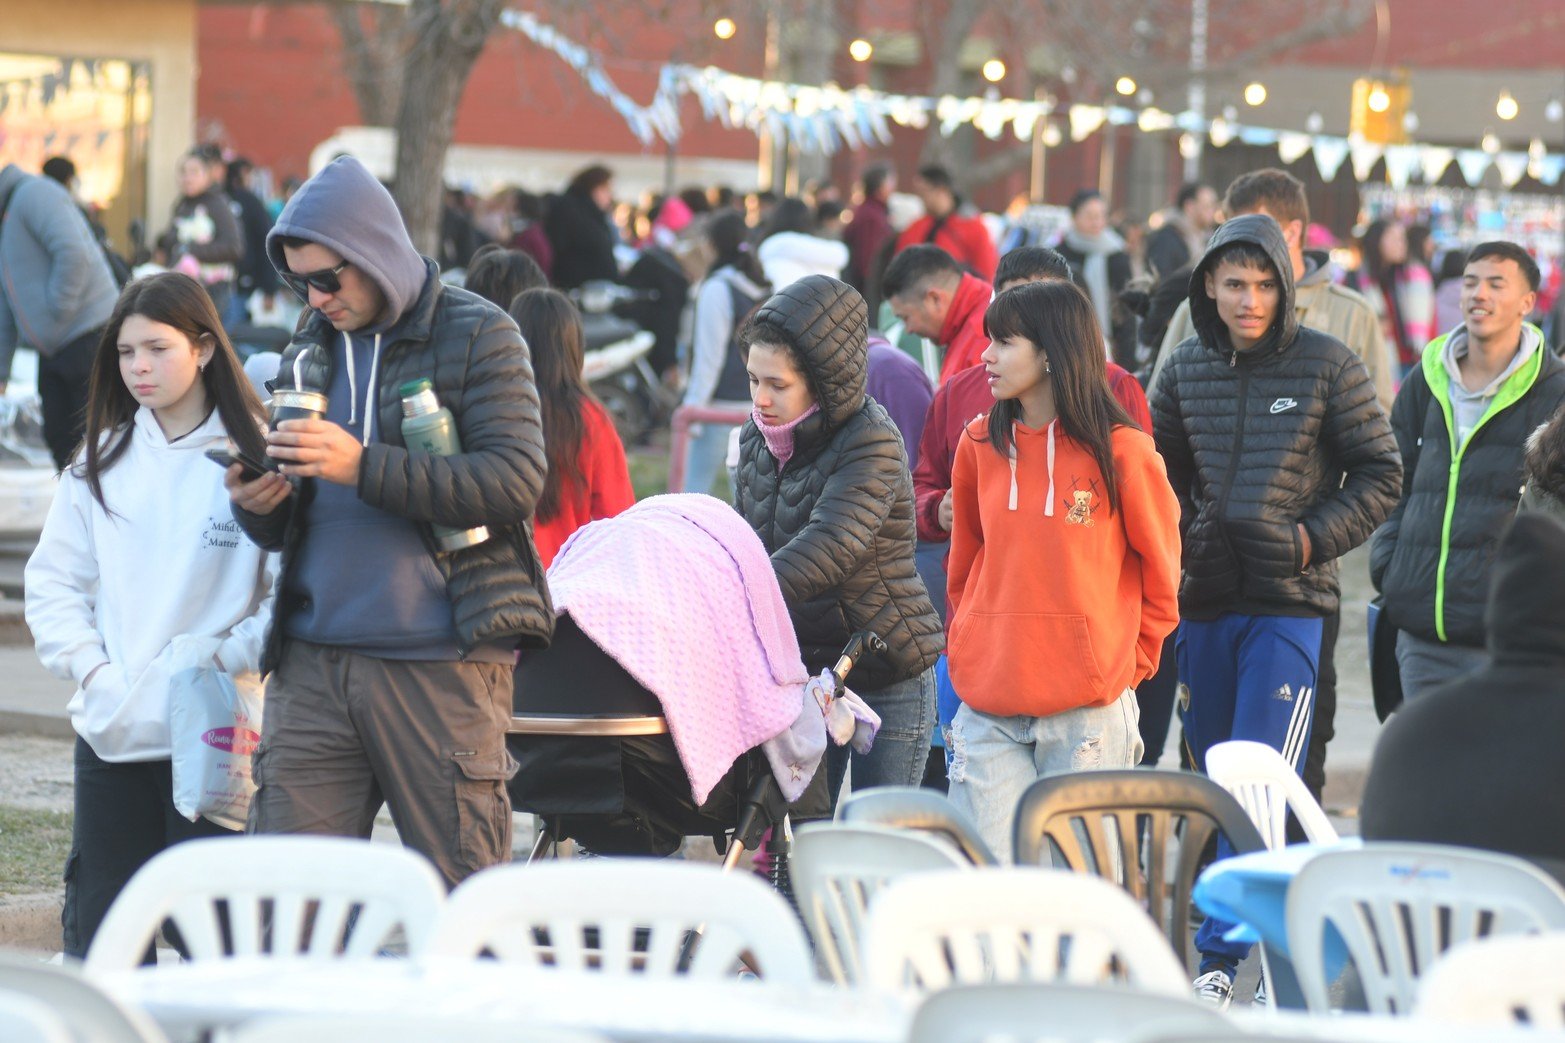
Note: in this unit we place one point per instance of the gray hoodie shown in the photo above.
(364, 579)
(55, 284)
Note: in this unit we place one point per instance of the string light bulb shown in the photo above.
(1255, 94)
(724, 28)
(861, 50)
(1125, 85)
(1379, 98)
(994, 70)
(1507, 108)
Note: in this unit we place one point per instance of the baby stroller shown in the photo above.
(673, 701)
(598, 766)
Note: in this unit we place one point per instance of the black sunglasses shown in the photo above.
(323, 279)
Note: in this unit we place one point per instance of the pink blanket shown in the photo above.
(681, 592)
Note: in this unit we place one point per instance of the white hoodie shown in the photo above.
(113, 590)
(789, 256)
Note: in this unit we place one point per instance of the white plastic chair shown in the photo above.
(1266, 787)
(281, 896)
(1498, 981)
(933, 930)
(1057, 1014)
(399, 1028)
(87, 1012)
(837, 869)
(26, 1020)
(1398, 907)
(918, 809)
(625, 916)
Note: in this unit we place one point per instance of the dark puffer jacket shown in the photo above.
(1433, 556)
(838, 518)
(1257, 442)
(483, 374)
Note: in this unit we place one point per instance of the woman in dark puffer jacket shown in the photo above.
(824, 481)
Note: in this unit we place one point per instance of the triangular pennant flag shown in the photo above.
(1549, 169)
(1474, 162)
(1365, 154)
(1433, 160)
(1512, 167)
(1329, 154)
(1292, 146)
(1084, 120)
(1026, 121)
(1401, 161)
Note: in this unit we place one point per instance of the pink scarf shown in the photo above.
(779, 439)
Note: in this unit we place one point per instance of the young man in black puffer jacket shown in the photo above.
(1256, 418)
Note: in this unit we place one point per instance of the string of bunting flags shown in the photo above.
(826, 118)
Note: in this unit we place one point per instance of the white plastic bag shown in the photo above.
(214, 728)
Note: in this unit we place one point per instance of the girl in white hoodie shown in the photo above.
(140, 548)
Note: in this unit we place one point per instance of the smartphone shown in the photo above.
(228, 456)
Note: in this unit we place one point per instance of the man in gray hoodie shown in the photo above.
(56, 293)
(390, 660)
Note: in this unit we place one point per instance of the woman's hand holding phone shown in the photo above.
(260, 496)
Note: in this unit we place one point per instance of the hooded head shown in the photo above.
(1526, 616)
(826, 323)
(1261, 233)
(344, 209)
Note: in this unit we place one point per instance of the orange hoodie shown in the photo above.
(1055, 602)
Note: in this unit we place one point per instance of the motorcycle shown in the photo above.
(617, 365)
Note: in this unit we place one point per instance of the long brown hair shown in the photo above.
(179, 301)
(1058, 318)
(551, 326)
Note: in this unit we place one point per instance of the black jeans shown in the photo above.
(1155, 698)
(1321, 731)
(124, 816)
(62, 392)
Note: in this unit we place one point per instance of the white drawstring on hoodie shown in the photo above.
(1048, 503)
(353, 387)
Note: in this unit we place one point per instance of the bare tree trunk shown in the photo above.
(445, 40)
(960, 18)
(373, 59)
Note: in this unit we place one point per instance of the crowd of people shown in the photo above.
(1072, 487)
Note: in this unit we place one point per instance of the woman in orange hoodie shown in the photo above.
(1064, 566)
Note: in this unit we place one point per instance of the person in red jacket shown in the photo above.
(933, 297)
(967, 396)
(588, 477)
(1064, 567)
(965, 238)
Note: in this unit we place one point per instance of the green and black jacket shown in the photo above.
(1432, 557)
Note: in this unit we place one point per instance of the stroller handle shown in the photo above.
(853, 651)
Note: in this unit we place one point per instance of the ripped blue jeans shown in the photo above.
(995, 759)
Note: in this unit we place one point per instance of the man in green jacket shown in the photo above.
(1462, 420)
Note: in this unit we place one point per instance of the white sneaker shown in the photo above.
(1215, 987)
(1262, 997)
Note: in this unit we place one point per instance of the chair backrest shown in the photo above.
(923, 810)
(1398, 907)
(1144, 830)
(837, 869)
(1267, 787)
(402, 1028)
(1063, 1013)
(294, 896)
(622, 916)
(26, 1020)
(1498, 981)
(933, 930)
(87, 1012)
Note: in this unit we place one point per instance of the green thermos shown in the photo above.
(429, 427)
